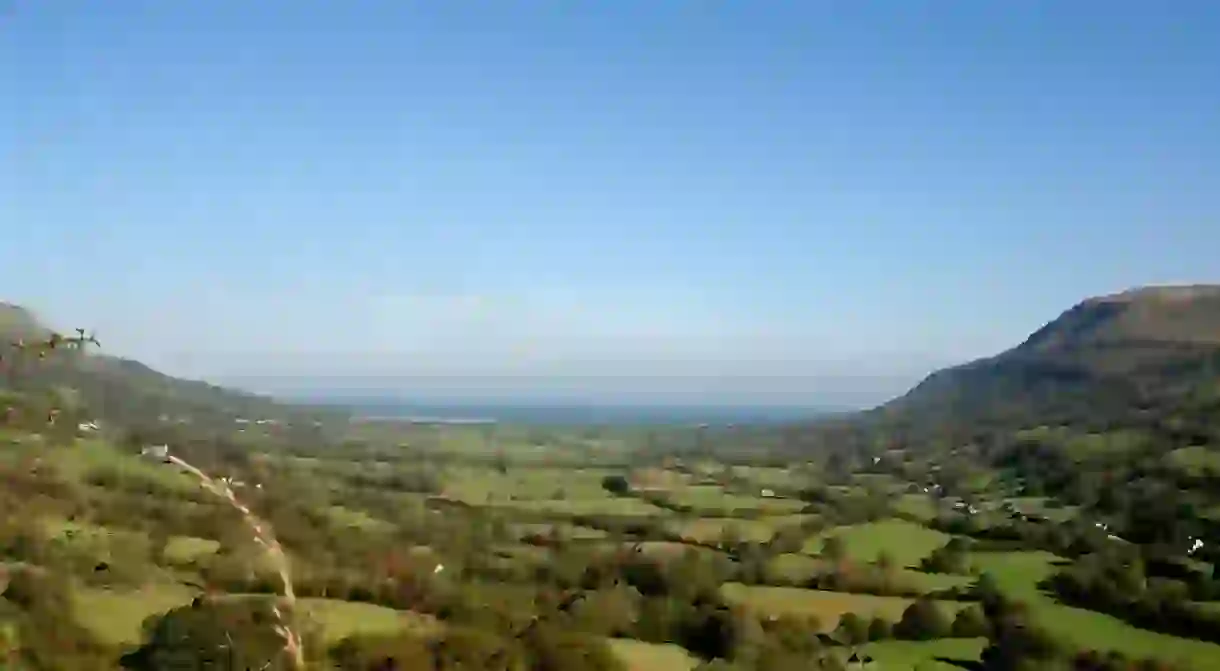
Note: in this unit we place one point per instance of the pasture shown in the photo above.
(340, 619)
(938, 655)
(712, 529)
(116, 616)
(188, 549)
(481, 486)
(77, 461)
(798, 568)
(827, 607)
(641, 656)
(1018, 574)
(907, 543)
(712, 497)
(919, 506)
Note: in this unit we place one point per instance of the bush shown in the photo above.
(853, 629)
(970, 623)
(616, 484)
(923, 620)
(880, 629)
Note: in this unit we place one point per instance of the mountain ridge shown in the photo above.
(1126, 348)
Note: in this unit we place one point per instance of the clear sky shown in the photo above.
(815, 202)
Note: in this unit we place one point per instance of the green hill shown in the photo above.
(121, 390)
(1145, 348)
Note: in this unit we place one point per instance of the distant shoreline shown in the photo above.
(575, 414)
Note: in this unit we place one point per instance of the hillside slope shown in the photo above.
(1142, 348)
(122, 390)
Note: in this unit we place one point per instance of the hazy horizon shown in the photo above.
(461, 392)
(745, 202)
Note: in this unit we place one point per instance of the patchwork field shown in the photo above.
(187, 549)
(116, 617)
(641, 656)
(906, 542)
(478, 486)
(925, 655)
(919, 506)
(711, 497)
(1018, 574)
(826, 606)
(88, 456)
(539, 501)
(711, 529)
(770, 476)
(801, 568)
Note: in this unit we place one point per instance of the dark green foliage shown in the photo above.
(228, 634)
(36, 610)
(880, 629)
(853, 629)
(834, 549)
(953, 557)
(923, 620)
(1121, 588)
(970, 623)
(616, 484)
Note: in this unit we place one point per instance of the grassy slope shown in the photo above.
(1018, 574)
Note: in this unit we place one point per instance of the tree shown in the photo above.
(852, 629)
(880, 629)
(970, 623)
(616, 484)
(834, 548)
(950, 558)
(886, 562)
(230, 635)
(730, 537)
(923, 620)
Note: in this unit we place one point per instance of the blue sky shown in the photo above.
(814, 202)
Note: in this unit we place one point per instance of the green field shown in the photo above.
(712, 497)
(711, 529)
(641, 656)
(769, 476)
(1196, 460)
(340, 619)
(1017, 573)
(798, 567)
(620, 506)
(924, 655)
(826, 606)
(906, 542)
(187, 549)
(116, 617)
(569, 531)
(77, 461)
(483, 485)
(919, 506)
